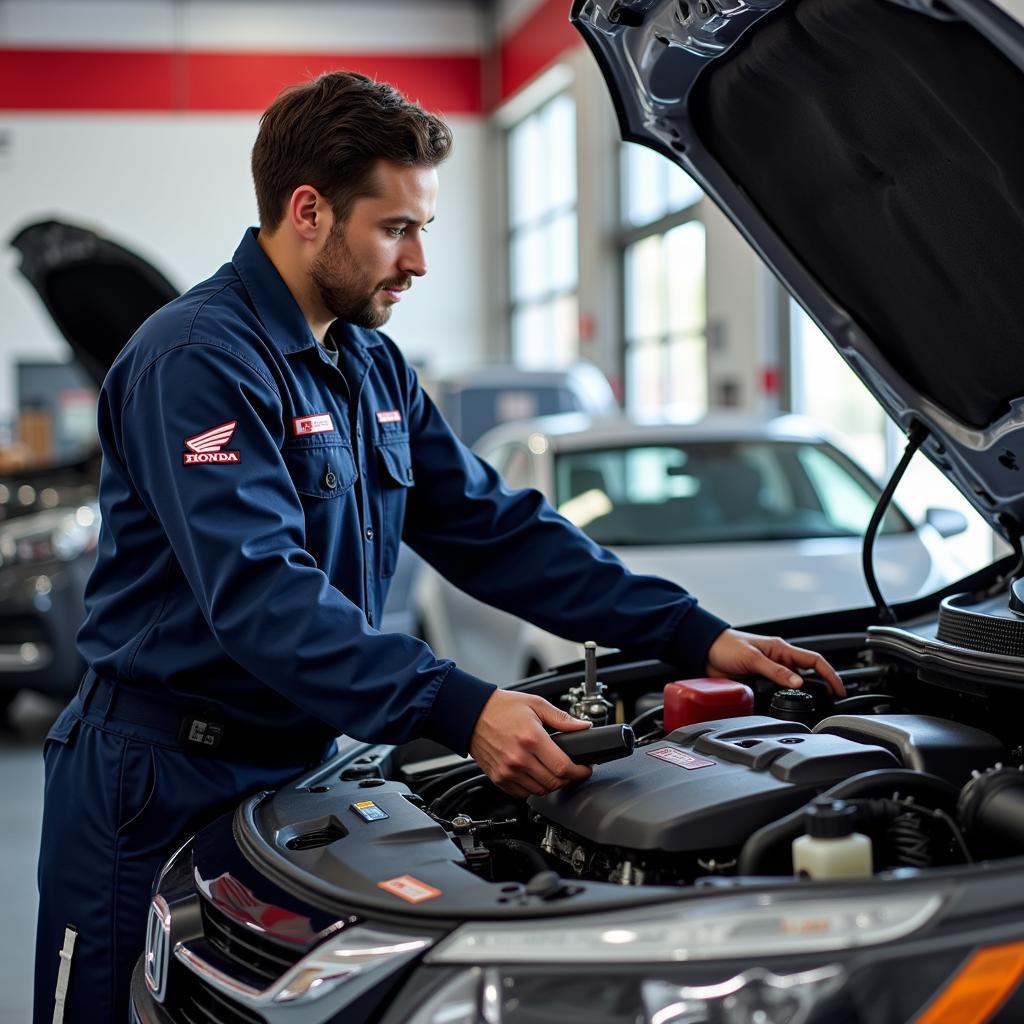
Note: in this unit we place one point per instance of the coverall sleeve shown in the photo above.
(238, 532)
(511, 549)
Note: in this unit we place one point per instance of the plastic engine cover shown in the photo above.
(707, 785)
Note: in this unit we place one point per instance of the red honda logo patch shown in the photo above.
(208, 446)
(321, 423)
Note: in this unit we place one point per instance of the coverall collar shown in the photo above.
(276, 306)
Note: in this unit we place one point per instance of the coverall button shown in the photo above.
(369, 533)
(330, 480)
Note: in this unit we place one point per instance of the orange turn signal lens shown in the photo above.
(979, 987)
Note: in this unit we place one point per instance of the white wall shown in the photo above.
(741, 332)
(176, 188)
(386, 26)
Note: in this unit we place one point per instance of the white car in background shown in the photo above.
(761, 519)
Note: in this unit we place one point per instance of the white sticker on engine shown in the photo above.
(680, 758)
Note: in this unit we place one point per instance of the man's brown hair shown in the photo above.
(330, 132)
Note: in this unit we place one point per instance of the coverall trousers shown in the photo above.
(120, 798)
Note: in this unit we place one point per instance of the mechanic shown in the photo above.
(265, 450)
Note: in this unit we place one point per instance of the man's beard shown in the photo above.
(344, 291)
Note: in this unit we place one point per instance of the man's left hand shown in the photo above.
(735, 654)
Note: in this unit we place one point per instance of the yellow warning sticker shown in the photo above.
(410, 889)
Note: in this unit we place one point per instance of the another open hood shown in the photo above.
(873, 154)
(97, 292)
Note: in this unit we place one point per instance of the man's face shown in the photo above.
(369, 259)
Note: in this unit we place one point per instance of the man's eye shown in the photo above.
(396, 232)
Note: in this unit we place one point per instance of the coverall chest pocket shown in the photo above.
(325, 470)
(395, 459)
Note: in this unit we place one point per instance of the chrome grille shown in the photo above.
(259, 956)
(198, 1003)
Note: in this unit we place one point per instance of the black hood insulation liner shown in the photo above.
(886, 147)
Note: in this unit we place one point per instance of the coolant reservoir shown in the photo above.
(831, 848)
(705, 700)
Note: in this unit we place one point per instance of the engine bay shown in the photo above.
(918, 764)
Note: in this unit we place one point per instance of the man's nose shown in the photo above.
(413, 258)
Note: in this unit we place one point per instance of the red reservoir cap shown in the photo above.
(703, 700)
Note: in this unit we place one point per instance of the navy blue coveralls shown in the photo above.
(253, 499)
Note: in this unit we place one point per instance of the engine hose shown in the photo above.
(772, 842)
(912, 844)
(440, 805)
(650, 715)
(847, 705)
(447, 779)
(527, 851)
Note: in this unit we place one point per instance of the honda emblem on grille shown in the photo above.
(158, 940)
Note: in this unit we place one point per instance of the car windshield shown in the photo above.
(710, 491)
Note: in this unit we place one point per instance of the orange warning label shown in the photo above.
(410, 889)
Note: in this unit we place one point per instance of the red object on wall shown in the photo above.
(540, 40)
(704, 700)
(160, 81)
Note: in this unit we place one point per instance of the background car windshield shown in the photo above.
(716, 491)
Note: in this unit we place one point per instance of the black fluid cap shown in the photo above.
(829, 819)
(793, 705)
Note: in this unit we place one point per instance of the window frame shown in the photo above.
(514, 230)
(629, 235)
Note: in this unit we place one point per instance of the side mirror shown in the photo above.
(947, 521)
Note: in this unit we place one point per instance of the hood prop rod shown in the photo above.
(915, 438)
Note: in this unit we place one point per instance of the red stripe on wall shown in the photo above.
(167, 81)
(538, 42)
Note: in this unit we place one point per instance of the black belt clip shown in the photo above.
(200, 735)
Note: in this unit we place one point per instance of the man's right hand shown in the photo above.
(510, 744)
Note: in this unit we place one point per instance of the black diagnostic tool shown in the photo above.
(597, 745)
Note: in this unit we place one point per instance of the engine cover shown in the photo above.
(708, 785)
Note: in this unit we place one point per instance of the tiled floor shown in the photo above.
(21, 807)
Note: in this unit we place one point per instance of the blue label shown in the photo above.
(369, 811)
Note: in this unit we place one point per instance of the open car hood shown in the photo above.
(872, 153)
(97, 292)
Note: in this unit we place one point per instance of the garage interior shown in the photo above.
(554, 243)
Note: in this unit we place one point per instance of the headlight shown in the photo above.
(704, 930)
(59, 534)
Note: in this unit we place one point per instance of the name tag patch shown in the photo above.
(321, 423)
(389, 416)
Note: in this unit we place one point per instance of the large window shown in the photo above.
(664, 279)
(827, 389)
(716, 492)
(543, 242)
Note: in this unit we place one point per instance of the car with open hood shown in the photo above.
(871, 152)
(97, 292)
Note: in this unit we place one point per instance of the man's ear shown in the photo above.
(309, 214)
